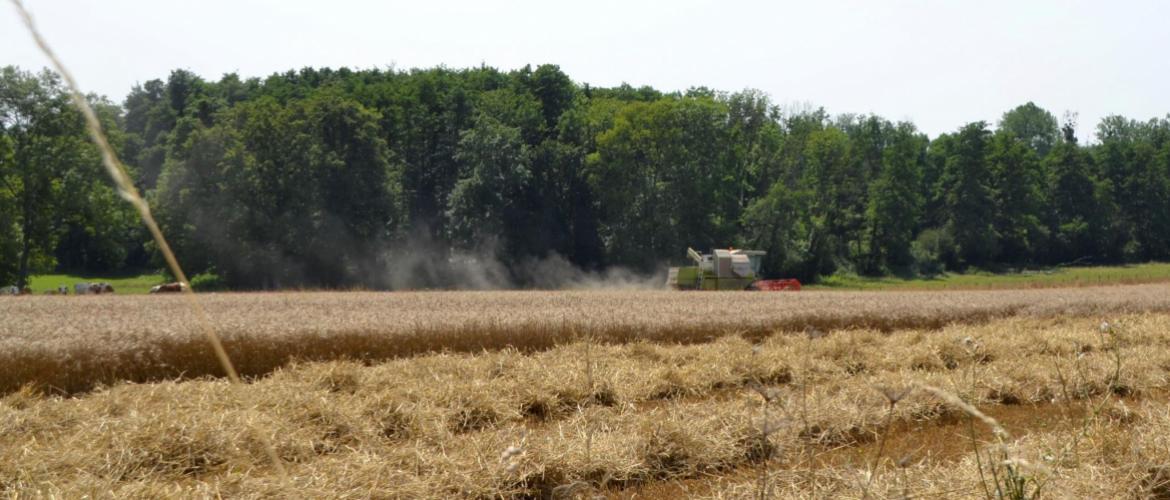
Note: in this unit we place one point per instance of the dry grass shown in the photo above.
(72, 344)
(661, 419)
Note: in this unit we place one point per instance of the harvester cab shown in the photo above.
(723, 269)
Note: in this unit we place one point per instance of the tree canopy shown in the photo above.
(388, 178)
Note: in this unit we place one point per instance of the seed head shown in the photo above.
(895, 394)
(510, 452)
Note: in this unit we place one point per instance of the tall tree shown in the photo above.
(753, 141)
(484, 207)
(798, 127)
(658, 173)
(555, 91)
(868, 138)
(933, 192)
(299, 194)
(833, 189)
(778, 224)
(9, 222)
(1151, 199)
(1018, 186)
(46, 142)
(1033, 125)
(434, 110)
(1131, 172)
(1080, 203)
(969, 201)
(895, 201)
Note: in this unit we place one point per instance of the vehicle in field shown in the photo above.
(725, 269)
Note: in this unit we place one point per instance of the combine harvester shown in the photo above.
(728, 269)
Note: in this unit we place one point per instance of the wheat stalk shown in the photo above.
(125, 188)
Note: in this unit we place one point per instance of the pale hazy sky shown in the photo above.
(937, 63)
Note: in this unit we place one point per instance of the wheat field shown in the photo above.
(71, 344)
(618, 394)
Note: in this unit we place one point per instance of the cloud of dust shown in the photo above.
(422, 264)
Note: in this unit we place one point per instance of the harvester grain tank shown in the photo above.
(725, 269)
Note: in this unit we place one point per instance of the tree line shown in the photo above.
(388, 178)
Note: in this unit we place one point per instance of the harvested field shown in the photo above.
(72, 344)
(1083, 407)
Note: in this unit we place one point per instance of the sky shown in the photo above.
(939, 63)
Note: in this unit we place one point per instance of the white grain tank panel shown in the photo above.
(741, 265)
(723, 263)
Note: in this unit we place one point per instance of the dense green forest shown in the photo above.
(394, 179)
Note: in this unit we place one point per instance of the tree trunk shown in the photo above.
(26, 244)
